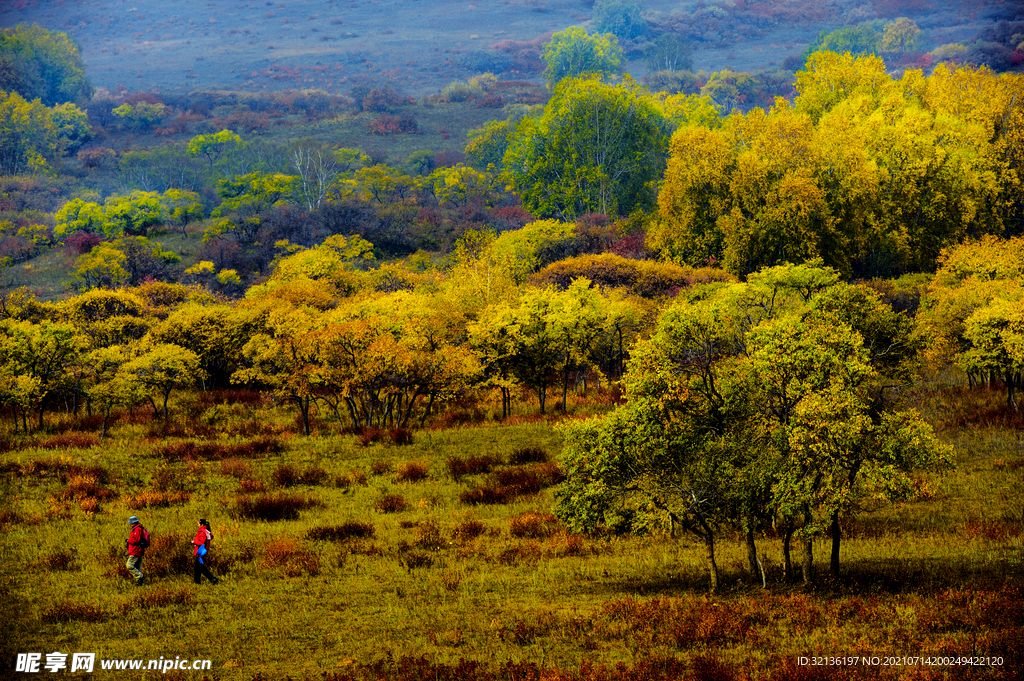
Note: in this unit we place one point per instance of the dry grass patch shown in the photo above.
(289, 554)
(72, 611)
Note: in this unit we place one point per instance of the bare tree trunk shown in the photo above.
(808, 564)
(709, 544)
(836, 533)
(304, 408)
(787, 557)
(755, 570)
(106, 416)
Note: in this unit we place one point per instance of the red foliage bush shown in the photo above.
(474, 465)
(528, 455)
(533, 525)
(158, 598)
(250, 486)
(70, 611)
(386, 124)
(83, 242)
(236, 468)
(84, 487)
(70, 441)
(400, 436)
(213, 451)
(347, 530)
(287, 553)
(468, 530)
(271, 507)
(155, 499)
(411, 471)
(391, 503)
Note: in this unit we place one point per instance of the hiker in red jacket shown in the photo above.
(136, 547)
(202, 543)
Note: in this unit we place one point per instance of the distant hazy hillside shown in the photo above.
(420, 45)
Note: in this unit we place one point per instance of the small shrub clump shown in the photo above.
(70, 611)
(412, 560)
(347, 530)
(528, 455)
(159, 598)
(251, 486)
(391, 503)
(469, 530)
(272, 507)
(411, 471)
(533, 525)
(474, 465)
(287, 553)
(61, 561)
(83, 487)
(235, 468)
(156, 499)
(70, 441)
(386, 124)
(213, 451)
(400, 436)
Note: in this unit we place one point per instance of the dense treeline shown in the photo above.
(874, 175)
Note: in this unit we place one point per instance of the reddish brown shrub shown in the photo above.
(286, 475)
(271, 507)
(486, 496)
(70, 611)
(386, 124)
(70, 441)
(84, 487)
(468, 530)
(412, 560)
(528, 455)
(491, 101)
(383, 100)
(533, 525)
(368, 436)
(518, 481)
(83, 242)
(400, 436)
(313, 476)
(214, 451)
(411, 471)
(380, 467)
(61, 561)
(250, 486)
(236, 468)
(156, 499)
(474, 465)
(995, 530)
(520, 553)
(158, 598)
(169, 554)
(347, 530)
(287, 553)
(391, 503)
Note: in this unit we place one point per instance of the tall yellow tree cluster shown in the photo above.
(873, 175)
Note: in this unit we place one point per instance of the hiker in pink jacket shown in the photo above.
(202, 543)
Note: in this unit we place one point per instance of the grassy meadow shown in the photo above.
(396, 555)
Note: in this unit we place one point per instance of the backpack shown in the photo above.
(143, 538)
